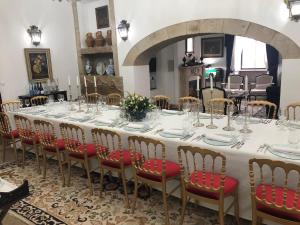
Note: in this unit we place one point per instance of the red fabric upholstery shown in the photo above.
(279, 192)
(116, 155)
(172, 169)
(230, 184)
(14, 134)
(30, 141)
(60, 143)
(90, 150)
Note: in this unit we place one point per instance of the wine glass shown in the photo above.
(60, 98)
(27, 102)
(186, 107)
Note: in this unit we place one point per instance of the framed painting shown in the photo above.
(212, 47)
(38, 62)
(102, 17)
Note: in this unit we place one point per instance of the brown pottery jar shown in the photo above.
(108, 38)
(90, 41)
(100, 41)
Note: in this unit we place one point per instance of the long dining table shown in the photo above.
(264, 132)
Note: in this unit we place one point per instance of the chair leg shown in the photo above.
(3, 149)
(87, 167)
(125, 188)
(23, 156)
(60, 164)
(44, 164)
(37, 158)
(254, 219)
(69, 172)
(101, 180)
(164, 187)
(16, 151)
(236, 207)
(135, 194)
(184, 203)
(221, 213)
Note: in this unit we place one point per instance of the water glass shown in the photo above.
(60, 98)
(186, 107)
(27, 102)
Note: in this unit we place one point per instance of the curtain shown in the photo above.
(229, 40)
(273, 61)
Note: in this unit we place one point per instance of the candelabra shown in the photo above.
(198, 123)
(98, 112)
(79, 99)
(211, 125)
(72, 108)
(87, 100)
(245, 129)
(228, 127)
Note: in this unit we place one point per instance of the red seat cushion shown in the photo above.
(115, 156)
(279, 193)
(172, 169)
(230, 184)
(30, 141)
(90, 150)
(60, 143)
(12, 134)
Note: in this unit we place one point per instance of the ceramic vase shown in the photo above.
(108, 38)
(90, 41)
(99, 41)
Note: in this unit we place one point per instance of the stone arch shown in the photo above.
(140, 52)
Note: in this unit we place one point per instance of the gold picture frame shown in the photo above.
(38, 63)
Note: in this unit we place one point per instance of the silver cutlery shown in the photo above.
(158, 130)
(260, 148)
(240, 145)
(186, 137)
(235, 145)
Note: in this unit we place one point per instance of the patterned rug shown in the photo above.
(50, 203)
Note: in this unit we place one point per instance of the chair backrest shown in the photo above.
(25, 128)
(161, 101)
(235, 82)
(193, 160)
(107, 139)
(291, 111)
(220, 105)
(194, 102)
(10, 105)
(39, 100)
(93, 98)
(5, 127)
(206, 96)
(269, 174)
(46, 133)
(114, 99)
(263, 81)
(254, 106)
(149, 149)
(74, 138)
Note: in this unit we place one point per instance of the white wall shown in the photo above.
(56, 22)
(148, 16)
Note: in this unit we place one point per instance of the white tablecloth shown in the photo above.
(237, 160)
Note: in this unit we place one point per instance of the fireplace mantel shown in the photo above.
(188, 74)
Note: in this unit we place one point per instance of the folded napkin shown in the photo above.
(294, 124)
(105, 121)
(286, 149)
(174, 132)
(138, 126)
(218, 137)
(174, 112)
(80, 117)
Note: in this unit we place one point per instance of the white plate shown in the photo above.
(286, 155)
(220, 143)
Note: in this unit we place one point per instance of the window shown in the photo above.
(189, 45)
(249, 54)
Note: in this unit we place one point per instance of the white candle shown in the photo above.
(246, 83)
(95, 82)
(78, 81)
(211, 83)
(228, 83)
(84, 81)
(198, 78)
(69, 79)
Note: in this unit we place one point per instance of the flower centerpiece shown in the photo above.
(136, 107)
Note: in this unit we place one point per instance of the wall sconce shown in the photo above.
(123, 29)
(294, 8)
(35, 35)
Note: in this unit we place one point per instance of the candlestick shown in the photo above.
(77, 80)
(95, 82)
(228, 83)
(211, 125)
(245, 129)
(198, 123)
(72, 108)
(228, 127)
(198, 88)
(246, 83)
(69, 80)
(211, 82)
(84, 79)
(79, 99)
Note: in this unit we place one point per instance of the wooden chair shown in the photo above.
(194, 102)
(206, 96)
(38, 100)
(291, 110)
(152, 168)
(112, 156)
(270, 108)
(50, 145)
(8, 136)
(114, 99)
(10, 106)
(270, 201)
(93, 98)
(29, 139)
(77, 150)
(206, 184)
(161, 101)
(220, 105)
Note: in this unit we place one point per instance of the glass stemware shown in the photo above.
(60, 98)
(27, 102)
(186, 107)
